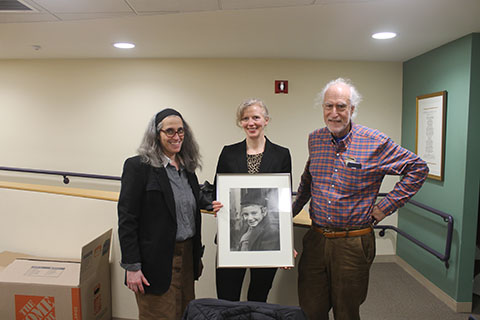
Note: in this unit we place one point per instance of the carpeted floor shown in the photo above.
(395, 295)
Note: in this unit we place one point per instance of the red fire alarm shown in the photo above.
(281, 86)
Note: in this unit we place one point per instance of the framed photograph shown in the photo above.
(255, 226)
(430, 135)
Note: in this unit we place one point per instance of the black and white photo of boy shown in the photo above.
(254, 224)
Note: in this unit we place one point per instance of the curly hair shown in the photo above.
(151, 152)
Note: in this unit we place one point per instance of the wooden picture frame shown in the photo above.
(430, 132)
(255, 226)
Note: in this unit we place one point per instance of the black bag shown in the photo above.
(206, 195)
(213, 309)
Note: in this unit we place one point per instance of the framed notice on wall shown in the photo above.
(255, 223)
(430, 135)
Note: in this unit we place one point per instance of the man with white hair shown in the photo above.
(346, 165)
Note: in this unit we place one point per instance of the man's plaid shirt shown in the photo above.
(343, 178)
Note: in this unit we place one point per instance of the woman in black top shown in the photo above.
(255, 154)
(159, 220)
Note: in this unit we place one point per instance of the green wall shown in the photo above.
(454, 67)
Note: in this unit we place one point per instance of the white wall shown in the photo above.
(89, 115)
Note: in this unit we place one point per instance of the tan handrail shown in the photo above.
(76, 192)
(301, 219)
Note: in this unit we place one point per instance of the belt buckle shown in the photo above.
(330, 233)
(327, 230)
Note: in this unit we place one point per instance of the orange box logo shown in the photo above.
(34, 308)
(97, 251)
(76, 304)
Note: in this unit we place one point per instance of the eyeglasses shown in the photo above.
(172, 132)
(339, 107)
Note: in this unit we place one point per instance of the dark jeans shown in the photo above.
(333, 272)
(229, 283)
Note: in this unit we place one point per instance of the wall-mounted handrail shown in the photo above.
(446, 217)
(64, 174)
(448, 242)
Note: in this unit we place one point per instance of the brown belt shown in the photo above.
(342, 234)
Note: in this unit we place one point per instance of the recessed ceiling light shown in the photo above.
(384, 35)
(124, 45)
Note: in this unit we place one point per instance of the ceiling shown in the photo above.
(297, 29)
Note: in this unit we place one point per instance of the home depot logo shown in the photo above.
(34, 308)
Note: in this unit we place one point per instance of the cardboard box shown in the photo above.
(35, 288)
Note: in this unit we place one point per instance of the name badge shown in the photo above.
(351, 163)
(354, 165)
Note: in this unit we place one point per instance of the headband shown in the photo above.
(166, 113)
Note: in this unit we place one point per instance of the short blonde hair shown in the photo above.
(250, 102)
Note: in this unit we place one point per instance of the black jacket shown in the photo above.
(275, 159)
(213, 309)
(147, 222)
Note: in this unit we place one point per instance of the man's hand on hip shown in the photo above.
(377, 215)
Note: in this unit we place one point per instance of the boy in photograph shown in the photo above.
(260, 233)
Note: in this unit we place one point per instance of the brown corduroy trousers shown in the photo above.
(333, 273)
(171, 304)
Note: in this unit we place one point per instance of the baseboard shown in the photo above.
(436, 291)
(387, 258)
